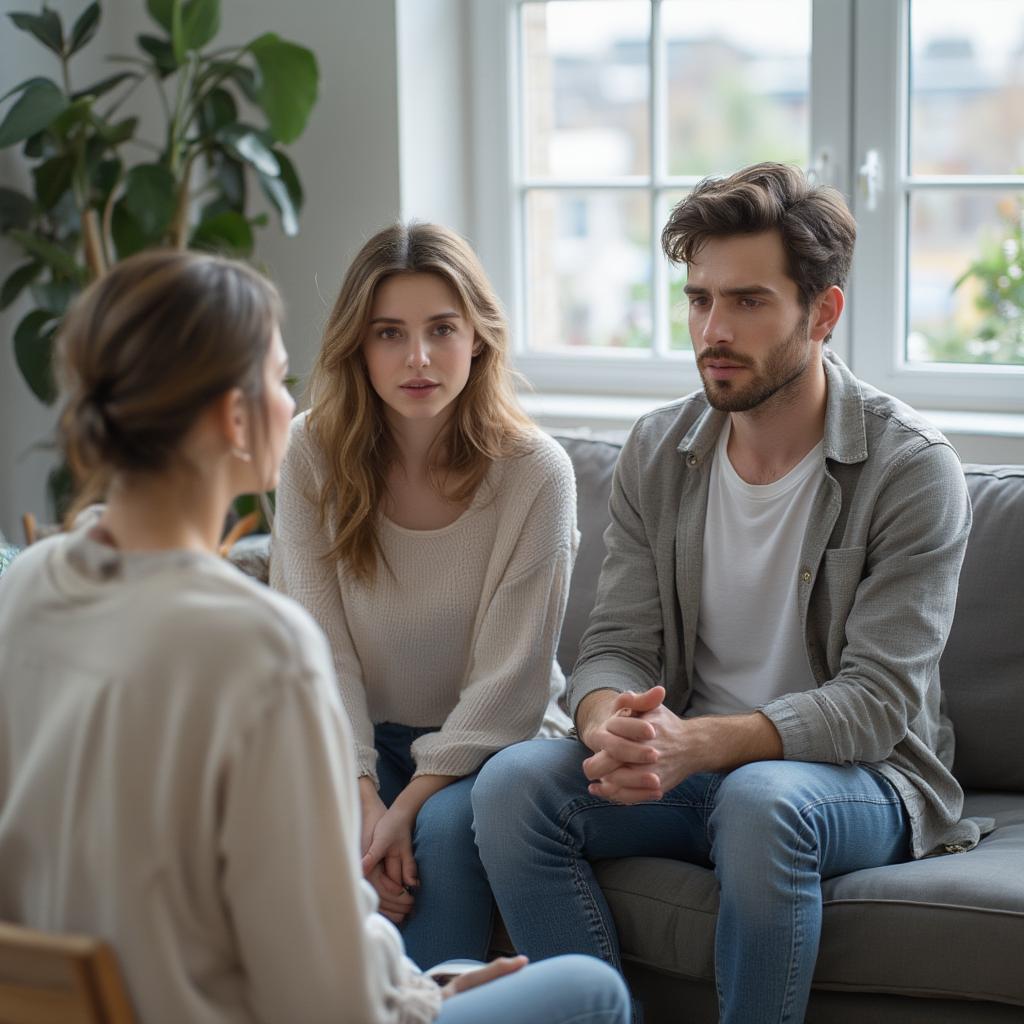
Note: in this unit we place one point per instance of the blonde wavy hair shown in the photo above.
(347, 416)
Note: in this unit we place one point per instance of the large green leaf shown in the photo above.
(285, 192)
(200, 22)
(228, 175)
(245, 144)
(149, 196)
(73, 115)
(160, 12)
(104, 85)
(288, 84)
(161, 52)
(191, 24)
(105, 177)
(53, 179)
(54, 296)
(39, 146)
(84, 28)
(39, 104)
(15, 209)
(51, 254)
(46, 27)
(129, 237)
(115, 134)
(33, 351)
(228, 232)
(217, 110)
(17, 280)
(245, 78)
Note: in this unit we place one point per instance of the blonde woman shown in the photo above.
(430, 529)
(177, 771)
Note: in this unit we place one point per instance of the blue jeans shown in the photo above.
(770, 830)
(454, 910)
(566, 990)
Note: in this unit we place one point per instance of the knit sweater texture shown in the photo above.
(177, 779)
(459, 627)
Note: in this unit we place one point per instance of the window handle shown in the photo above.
(869, 175)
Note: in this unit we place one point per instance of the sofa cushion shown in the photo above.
(949, 926)
(593, 459)
(983, 664)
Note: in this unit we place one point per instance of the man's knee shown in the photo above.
(760, 797)
(524, 783)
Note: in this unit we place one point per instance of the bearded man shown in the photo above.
(758, 689)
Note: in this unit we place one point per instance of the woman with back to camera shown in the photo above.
(177, 775)
(430, 529)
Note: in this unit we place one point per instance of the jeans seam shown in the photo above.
(584, 892)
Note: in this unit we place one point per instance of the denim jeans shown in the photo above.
(454, 910)
(565, 990)
(770, 830)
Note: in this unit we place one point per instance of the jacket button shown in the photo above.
(692, 460)
(805, 576)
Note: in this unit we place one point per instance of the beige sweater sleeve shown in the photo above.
(313, 947)
(298, 569)
(508, 680)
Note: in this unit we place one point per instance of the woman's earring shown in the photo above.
(241, 453)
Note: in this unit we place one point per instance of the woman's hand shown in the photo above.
(393, 901)
(489, 972)
(391, 846)
(372, 810)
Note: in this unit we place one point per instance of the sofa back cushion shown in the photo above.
(593, 459)
(983, 665)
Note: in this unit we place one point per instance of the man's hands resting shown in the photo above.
(642, 750)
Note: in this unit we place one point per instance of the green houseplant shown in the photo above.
(102, 188)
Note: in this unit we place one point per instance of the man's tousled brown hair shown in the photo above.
(815, 224)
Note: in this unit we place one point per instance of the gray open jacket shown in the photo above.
(877, 588)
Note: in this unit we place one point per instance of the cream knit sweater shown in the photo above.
(177, 778)
(461, 634)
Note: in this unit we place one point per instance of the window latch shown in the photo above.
(869, 175)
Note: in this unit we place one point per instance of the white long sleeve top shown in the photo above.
(460, 633)
(176, 777)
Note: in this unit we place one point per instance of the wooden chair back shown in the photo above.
(59, 979)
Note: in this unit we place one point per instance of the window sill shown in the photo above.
(978, 436)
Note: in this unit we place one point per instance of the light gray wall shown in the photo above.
(348, 159)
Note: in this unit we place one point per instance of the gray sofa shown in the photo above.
(932, 941)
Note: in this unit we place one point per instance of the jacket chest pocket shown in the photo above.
(835, 592)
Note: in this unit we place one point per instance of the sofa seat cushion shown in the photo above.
(949, 926)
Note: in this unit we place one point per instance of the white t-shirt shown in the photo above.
(750, 645)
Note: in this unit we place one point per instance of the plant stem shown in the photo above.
(179, 225)
(92, 244)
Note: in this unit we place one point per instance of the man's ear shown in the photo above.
(825, 312)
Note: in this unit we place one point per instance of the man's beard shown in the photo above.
(783, 366)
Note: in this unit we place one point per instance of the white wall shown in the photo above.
(348, 160)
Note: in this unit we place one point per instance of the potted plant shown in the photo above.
(102, 190)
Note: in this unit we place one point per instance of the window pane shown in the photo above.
(738, 83)
(589, 269)
(966, 290)
(586, 70)
(966, 87)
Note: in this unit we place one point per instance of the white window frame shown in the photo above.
(858, 66)
(878, 295)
